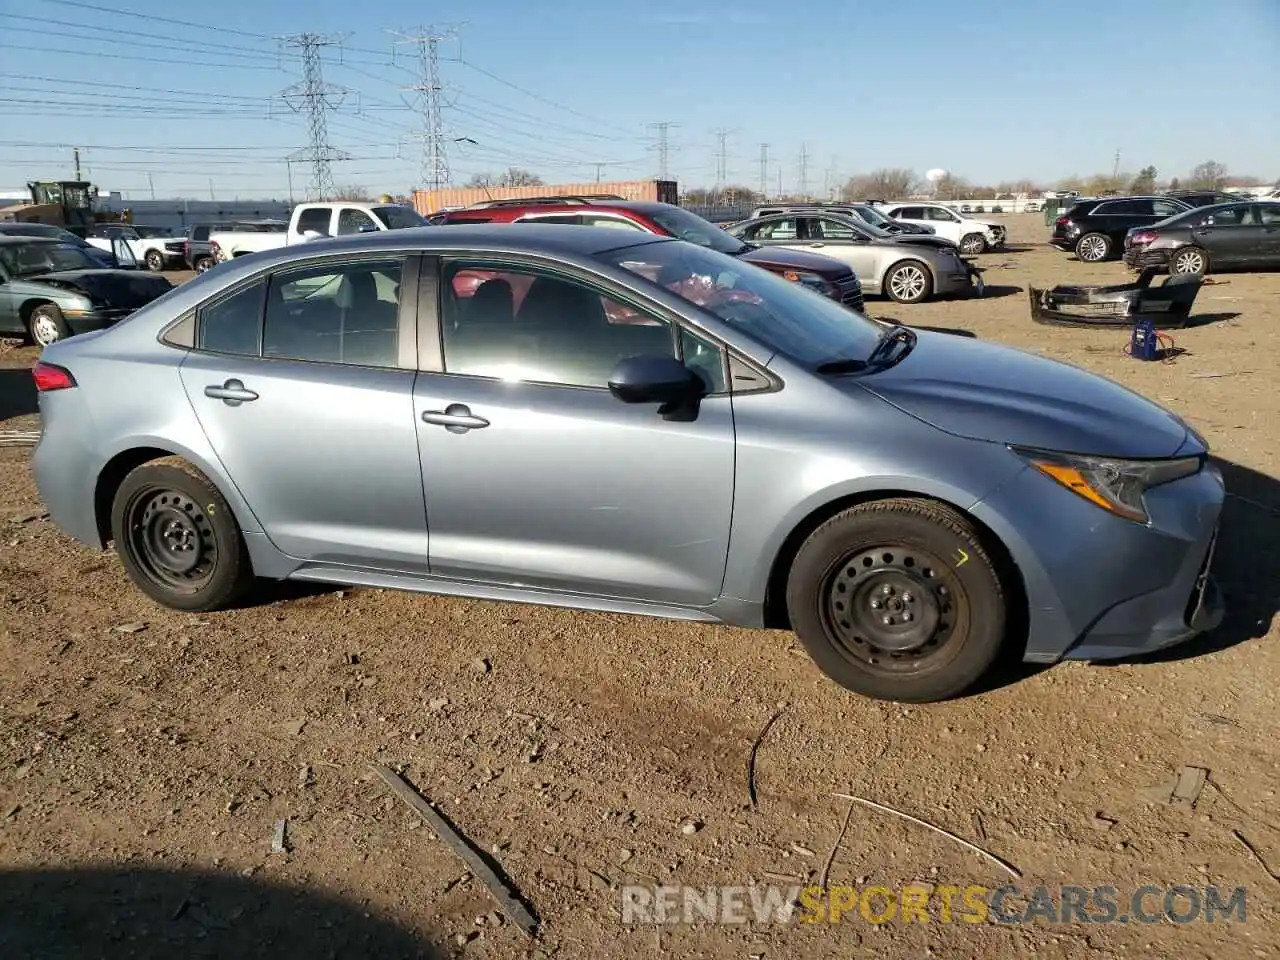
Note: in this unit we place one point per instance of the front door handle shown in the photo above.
(233, 393)
(456, 418)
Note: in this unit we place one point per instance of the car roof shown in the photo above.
(13, 239)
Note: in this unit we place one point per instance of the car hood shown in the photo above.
(984, 391)
(121, 289)
(786, 259)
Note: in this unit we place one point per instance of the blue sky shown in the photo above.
(990, 89)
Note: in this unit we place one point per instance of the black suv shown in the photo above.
(1203, 198)
(1094, 230)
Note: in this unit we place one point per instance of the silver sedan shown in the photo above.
(904, 267)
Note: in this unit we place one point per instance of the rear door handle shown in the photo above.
(232, 392)
(456, 418)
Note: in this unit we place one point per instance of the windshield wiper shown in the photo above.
(897, 334)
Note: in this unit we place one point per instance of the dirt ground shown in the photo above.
(146, 755)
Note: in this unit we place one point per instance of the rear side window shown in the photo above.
(233, 324)
(573, 219)
(314, 218)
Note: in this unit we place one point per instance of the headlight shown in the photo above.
(812, 281)
(1116, 486)
(76, 306)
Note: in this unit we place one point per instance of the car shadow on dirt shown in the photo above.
(994, 291)
(17, 393)
(1242, 566)
(139, 912)
(1204, 320)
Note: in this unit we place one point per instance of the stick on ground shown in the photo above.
(755, 748)
(501, 891)
(1004, 864)
(831, 857)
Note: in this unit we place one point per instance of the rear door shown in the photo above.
(303, 383)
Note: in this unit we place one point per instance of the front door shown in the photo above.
(834, 238)
(310, 411)
(537, 476)
(1232, 235)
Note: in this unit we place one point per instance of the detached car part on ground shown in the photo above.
(51, 290)
(1117, 305)
(606, 420)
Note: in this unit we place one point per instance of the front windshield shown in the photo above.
(691, 227)
(398, 218)
(787, 317)
(870, 230)
(32, 259)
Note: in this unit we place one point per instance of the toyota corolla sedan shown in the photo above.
(607, 420)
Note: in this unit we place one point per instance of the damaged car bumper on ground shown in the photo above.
(1118, 304)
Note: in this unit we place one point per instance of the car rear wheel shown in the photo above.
(898, 600)
(972, 243)
(1093, 247)
(177, 538)
(46, 325)
(155, 261)
(908, 282)
(204, 263)
(1189, 260)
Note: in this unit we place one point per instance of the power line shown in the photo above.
(664, 128)
(434, 170)
(175, 44)
(316, 98)
(134, 58)
(538, 96)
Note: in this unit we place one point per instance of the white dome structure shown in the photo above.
(936, 174)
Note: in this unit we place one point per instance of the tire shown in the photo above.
(163, 505)
(925, 564)
(204, 263)
(1189, 259)
(973, 243)
(154, 260)
(912, 280)
(1093, 247)
(45, 325)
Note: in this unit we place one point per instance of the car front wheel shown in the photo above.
(908, 282)
(155, 261)
(46, 325)
(972, 243)
(898, 600)
(177, 538)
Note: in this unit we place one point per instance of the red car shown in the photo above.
(824, 274)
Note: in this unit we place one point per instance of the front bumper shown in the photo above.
(849, 292)
(968, 281)
(1100, 587)
(996, 237)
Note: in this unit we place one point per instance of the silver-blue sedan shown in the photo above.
(591, 418)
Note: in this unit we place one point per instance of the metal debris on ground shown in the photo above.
(136, 627)
(1181, 790)
(1003, 864)
(505, 895)
(755, 749)
(278, 844)
(19, 438)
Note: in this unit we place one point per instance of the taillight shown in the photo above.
(50, 376)
(1062, 221)
(1143, 237)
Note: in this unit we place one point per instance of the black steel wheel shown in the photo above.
(177, 537)
(898, 600)
(892, 606)
(155, 261)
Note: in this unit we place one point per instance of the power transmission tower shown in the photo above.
(1115, 169)
(664, 129)
(804, 171)
(75, 155)
(434, 169)
(722, 160)
(311, 95)
(764, 171)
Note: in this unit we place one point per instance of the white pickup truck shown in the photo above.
(311, 221)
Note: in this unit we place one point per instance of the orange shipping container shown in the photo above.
(427, 202)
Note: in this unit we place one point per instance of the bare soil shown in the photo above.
(145, 755)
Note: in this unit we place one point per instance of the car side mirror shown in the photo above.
(651, 379)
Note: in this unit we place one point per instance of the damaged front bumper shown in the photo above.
(1116, 305)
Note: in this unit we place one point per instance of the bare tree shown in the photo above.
(952, 187)
(351, 192)
(480, 180)
(885, 184)
(1209, 175)
(511, 177)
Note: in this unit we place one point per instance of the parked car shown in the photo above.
(50, 290)
(905, 268)
(822, 274)
(1202, 198)
(1094, 230)
(862, 211)
(49, 231)
(152, 233)
(310, 221)
(1225, 235)
(972, 236)
(197, 249)
(624, 422)
(158, 253)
